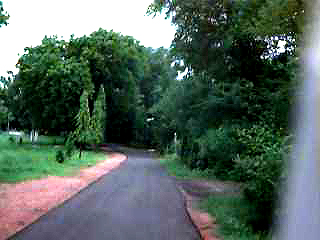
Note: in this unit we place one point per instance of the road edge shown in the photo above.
(203, 222)
(60, 203)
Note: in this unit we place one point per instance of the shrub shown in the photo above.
(257, 139)
(69, 146)
(185, 150)
(261, 166)
(11, 139)
(60, 156)
(217, 149)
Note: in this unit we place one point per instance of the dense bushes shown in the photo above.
(218, 147)
(262, 167)
(254, 155)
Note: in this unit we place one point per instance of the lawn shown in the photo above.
(19, 162)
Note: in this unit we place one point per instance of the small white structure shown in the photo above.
(34, 135)
(175, 142)
(17, 134)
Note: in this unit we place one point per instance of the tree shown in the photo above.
(114, 62)
(50, 84)
(89, 129)
(206, 29)
(53, 75)
(237, 83)
(3, 15)
(82, 135)
(98, 119)
(158, 75)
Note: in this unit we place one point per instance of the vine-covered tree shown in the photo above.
(83, 134)
(98, 119)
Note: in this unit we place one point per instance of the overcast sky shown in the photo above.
(31, 20)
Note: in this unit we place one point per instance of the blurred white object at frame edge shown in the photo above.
(302, 204)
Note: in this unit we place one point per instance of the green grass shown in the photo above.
(42, 140)
(181, 171)
(229, 211)
(20, 162)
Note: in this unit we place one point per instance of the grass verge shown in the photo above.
(231, 214)
(230, 211)
(20, 162)
(181, 171)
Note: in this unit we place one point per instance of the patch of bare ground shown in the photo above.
(196, 190)
(23, 203)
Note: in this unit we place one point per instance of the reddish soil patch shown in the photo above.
(196, 190)
(23, 203)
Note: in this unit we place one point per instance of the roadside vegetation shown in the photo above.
(231, 214)
(25, 161)
(231, 211)
(230, 113)
(226, 118)
(181, 171)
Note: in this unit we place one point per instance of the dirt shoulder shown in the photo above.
(195, 191)
(23, 203)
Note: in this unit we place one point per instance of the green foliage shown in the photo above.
(262, 166)
(83, 125)
(60, 156)
(69, 146)
(27, 161)
(218, 147)
(182, 171)
(83, 134)
(258, 139)
(98, 119)
(272, 17)
(45, 93)
(50, 83)
(236, 77)
(11, 139)
(89, 129)
(3, 113)
(231, 215)
(3, 15)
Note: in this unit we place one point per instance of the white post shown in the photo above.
(35, 135)
(8, 122)
(175, 142)
(31, 136)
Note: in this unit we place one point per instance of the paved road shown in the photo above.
(136, 201)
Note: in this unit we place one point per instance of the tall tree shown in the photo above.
(232, 76)
(205, 29)
(98, 119)
(82, 135)
(50, 85)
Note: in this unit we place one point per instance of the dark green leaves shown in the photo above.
(3, 15)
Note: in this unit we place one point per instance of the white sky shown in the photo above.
(31, 20)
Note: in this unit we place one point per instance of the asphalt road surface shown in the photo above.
(138, 200)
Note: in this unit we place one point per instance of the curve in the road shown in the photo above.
(138, 200)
